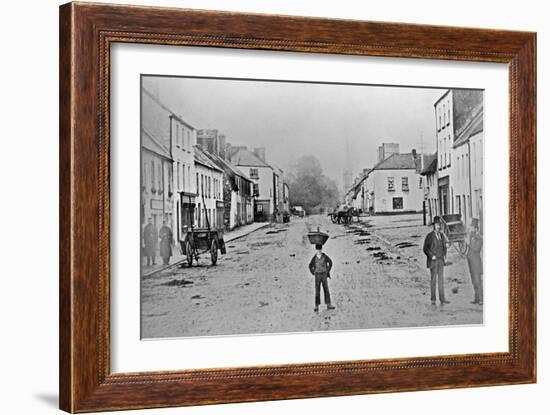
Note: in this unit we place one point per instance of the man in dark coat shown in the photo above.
(475, 265)
(165, 235)
(320, 266)
(150, 237)
(435, 249)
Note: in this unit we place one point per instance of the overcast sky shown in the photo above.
(339, 124)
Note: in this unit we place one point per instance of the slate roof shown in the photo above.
(397, 161)
(245, 157)
(149, 142)
(430, 164)
(473, 126)
(202, 158)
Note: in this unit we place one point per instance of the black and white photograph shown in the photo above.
(280, 206)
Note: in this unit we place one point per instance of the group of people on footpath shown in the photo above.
(151, 238)
(435, 249)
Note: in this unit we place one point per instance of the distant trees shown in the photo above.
(309, 187)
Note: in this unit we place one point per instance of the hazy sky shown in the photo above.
(339, 124)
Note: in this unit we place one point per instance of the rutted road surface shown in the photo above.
(262, 284)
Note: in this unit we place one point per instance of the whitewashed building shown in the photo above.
(453, 111)
(209, 183)
(397, 185)
(156, 183)
(264, 178)
(468, 171)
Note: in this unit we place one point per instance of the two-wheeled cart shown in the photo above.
(195, 241)
(455, 231)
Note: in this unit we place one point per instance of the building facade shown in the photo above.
(156, 181)
(468, 172)
(429, 172)
(264, 180)
(452, 112)
(397, 185)
(237, 187)
(209, 184)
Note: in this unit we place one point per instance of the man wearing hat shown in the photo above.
(320, 266)
(435, 248)
(475, 242)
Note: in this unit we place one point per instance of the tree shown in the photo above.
(309, 187)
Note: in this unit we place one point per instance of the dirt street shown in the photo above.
(262, 284)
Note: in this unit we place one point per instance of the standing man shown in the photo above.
(435, 248)
(165, 235)
(150, 237)
(320, 266)
(475, 265)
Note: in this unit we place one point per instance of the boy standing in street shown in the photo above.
(320, 266)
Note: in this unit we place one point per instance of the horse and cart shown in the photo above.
(343, 214)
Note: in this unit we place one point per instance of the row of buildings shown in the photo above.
(449, 181)
(195, 178)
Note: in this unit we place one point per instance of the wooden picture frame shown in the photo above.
(86, 33)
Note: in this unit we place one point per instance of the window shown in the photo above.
(391, 184)
(444, 116)
(474, 157)
(254, 174)
(177, 134)
(152, 175)
(449, 147)
(189, 144)
(256, 189)
(397, 203)
(160, 176)
(439, 119)
(405, 184)
(420, 182)
(178, 174)
(183, 175)
(449, 114)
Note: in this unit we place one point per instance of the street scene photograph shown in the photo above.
(276, 206)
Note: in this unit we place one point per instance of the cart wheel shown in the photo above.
(214, 252)
(189, 253)
(462, 247)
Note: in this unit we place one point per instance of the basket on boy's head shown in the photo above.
(317, 237)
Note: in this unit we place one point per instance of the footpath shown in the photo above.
(175, 259)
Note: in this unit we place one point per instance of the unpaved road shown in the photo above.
(263, 284)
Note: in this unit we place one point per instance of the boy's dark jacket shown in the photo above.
(323, 257)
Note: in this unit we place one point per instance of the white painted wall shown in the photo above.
(383, 199)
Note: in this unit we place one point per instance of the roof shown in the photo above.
(245, 157)
(226, 166)
(165, 108)
(202, 158)
(356, 187)
(473, 125)
(149, 142)
(397, 161)
(430, 164)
